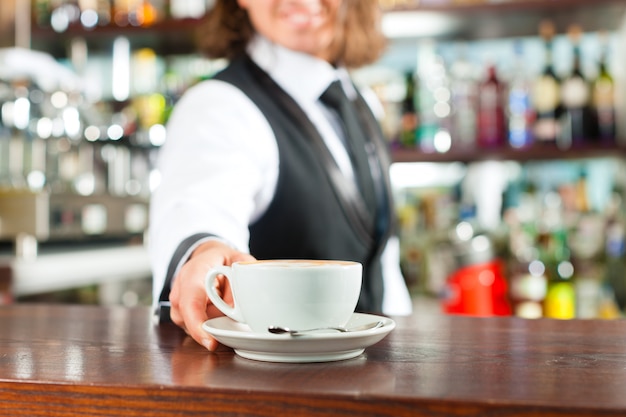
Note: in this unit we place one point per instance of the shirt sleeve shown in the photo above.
(218, 171)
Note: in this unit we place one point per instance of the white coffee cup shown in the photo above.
(299, 294)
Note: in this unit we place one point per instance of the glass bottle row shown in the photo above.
(556, 89)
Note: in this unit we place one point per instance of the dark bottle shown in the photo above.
(576, 125)
(546, 95)
(42, 11)
(409, 121)
(603, 98)
(491, 124)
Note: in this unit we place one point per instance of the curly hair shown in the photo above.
(359, 39)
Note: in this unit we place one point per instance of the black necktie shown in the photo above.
(353, 136)
(359, 146)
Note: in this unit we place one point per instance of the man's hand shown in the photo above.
(190, 305)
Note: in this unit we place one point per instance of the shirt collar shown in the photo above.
(288, 68)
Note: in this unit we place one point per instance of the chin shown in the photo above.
(308, 46)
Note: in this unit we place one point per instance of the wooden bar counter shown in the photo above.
(113, 361)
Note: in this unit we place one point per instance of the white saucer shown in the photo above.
(316, 347)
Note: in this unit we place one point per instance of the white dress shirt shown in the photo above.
(219, 165)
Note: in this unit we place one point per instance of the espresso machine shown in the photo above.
(74, 179)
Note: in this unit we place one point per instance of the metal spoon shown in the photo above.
(292, 332)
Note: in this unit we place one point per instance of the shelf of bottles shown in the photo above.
(83, 118)
(523, 98)
(166, 26)
(67, 15)
(548, 223)
(529, 151)
(128, 82)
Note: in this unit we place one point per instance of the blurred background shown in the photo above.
(504, 119)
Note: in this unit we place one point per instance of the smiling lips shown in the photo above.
(303, 14)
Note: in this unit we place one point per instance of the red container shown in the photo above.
(477, 290)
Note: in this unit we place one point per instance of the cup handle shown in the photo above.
(209, 284)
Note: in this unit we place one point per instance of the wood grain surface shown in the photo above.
(113, 361)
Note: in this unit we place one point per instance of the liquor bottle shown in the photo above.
(121, 11)
(528, 288)
(521, 114)
(433, 101)
(576, 127)
(103, 9)
(151, 12)
(6, 124)
(42, 12)
(560, 299)
(603, 97)
(64, 13)
(408, 122)
(183, 9)
(491, 123)
(143, 13)
(528, 283)
(88, 13)
(581, 196)
(615, 251)
(463, 86)
(546, 96)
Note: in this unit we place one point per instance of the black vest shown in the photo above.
(309, 216)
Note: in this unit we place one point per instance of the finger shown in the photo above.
(174, 310)
(200, 336)
(189, 305)
(243, 257)
(194, 312)
(177, 319)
